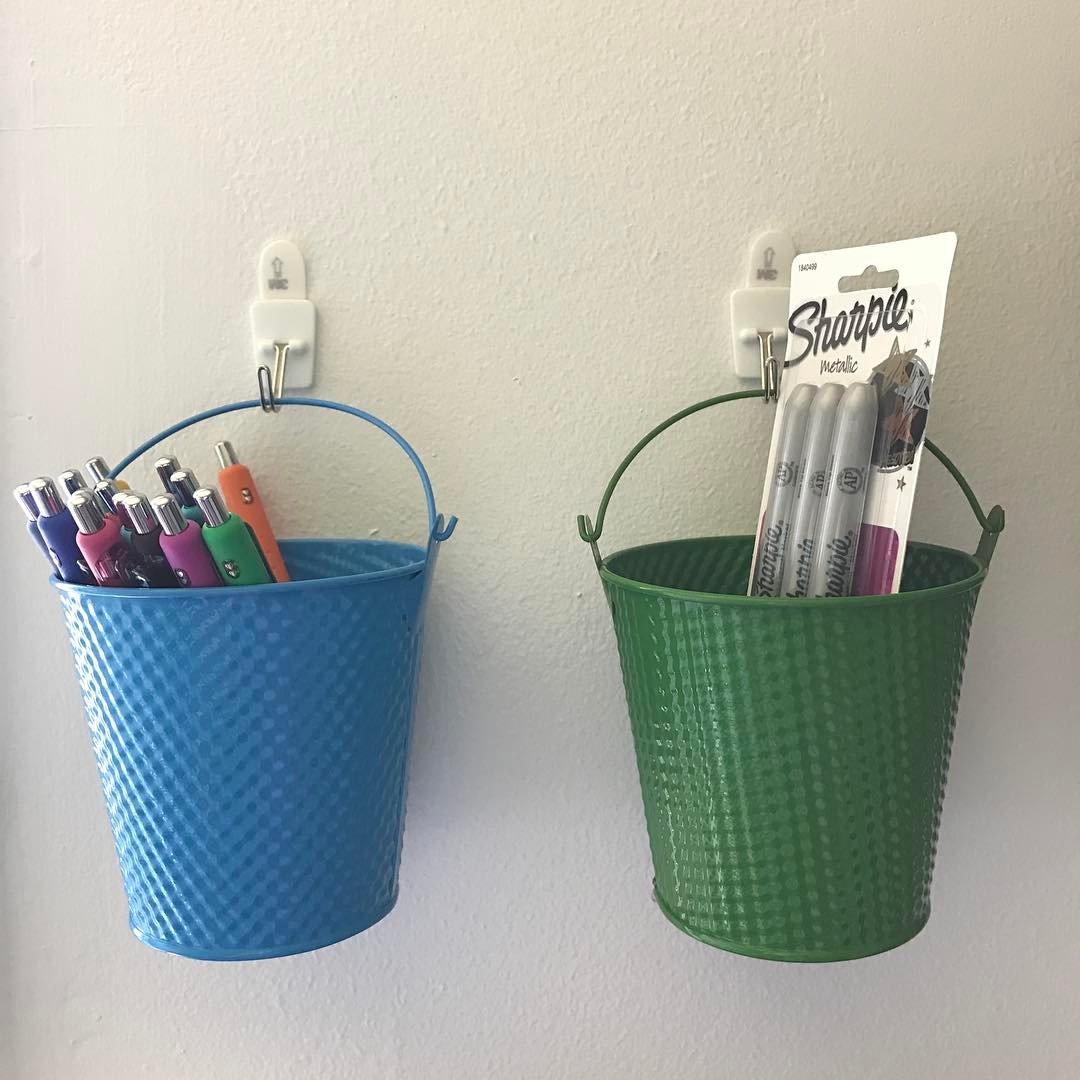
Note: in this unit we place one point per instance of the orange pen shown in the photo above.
(242, 498)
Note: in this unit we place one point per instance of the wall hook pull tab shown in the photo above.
(282, 324)
(759, 312)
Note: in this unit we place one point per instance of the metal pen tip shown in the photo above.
(213, 507)
(45, 496)
(167, 511)
(226, 455)
(97, 468)
(138, 510)
(71, 480)
(25, 498)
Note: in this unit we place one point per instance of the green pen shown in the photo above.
(231, 544)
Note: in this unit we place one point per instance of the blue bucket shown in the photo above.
(252, 741)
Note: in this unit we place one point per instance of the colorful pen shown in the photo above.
(107, 492)
(97, 468)
(58, 530)
(99, 540)
(116, 498)
(70, 481)
(25, 499)
(235, 552)
(152, 565)
(182, 543)
(242, 497)
(183, 485)
(165, 467)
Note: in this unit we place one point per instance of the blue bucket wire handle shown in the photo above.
(438, 529)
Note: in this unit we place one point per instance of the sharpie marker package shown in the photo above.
(863, 331)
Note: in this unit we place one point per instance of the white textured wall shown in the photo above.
(522, 223)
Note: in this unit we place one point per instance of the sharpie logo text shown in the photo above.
(821, 332)
(839, 564)
(769, 561)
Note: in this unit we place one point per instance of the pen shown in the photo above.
(70, 481)
(182, 543)
(231, 543)
(837, 541)
(58, 530)
(810, 488)
(25, 499)
(776, 525)
(107, 491)
(183, 485)
(99, 540)
(151, 564)
(165, 467)
(97, 468)
(242, 497)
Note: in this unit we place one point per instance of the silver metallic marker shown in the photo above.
(776, 525)
(811, 486)
(837, 541)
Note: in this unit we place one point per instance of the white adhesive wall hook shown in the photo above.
(759, 312)
(282, 324)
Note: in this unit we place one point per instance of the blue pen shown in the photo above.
(58, 530)
(25, 499)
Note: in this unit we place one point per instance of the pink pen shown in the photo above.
(182, 544)
(99, 540)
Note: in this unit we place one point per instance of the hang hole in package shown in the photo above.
(792, 745)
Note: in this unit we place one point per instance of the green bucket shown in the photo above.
(792, 752)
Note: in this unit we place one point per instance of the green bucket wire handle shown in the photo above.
(993, 524)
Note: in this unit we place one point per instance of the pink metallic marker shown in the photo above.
(182, 545)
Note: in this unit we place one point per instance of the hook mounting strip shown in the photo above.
(282, 324)
(759, 312)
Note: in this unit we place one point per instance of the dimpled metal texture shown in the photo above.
(252, 746)
(792, 753)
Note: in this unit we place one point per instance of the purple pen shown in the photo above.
(182, 543)
(59, 531)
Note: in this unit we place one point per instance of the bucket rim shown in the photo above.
(954, 588)
(411, 569)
